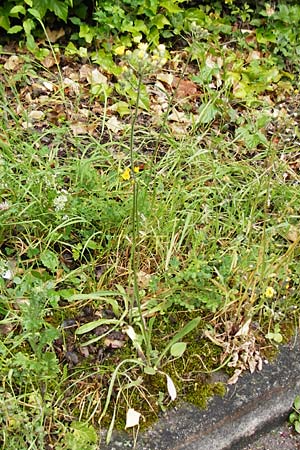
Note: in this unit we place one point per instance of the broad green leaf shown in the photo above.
(82, 429)
(293, 417)
(160, 21)
(28, 25)
(15, 29)
(276, 337)
(150, 370)
(207, 112)
(170, 6)
(49, 260)
(297, 426)
(35, 13)
(297, 402)
(4, 22)
(122, 108)
(18, 9)
(178, 349)
(60, 9)
(87, 33)
(82, 436)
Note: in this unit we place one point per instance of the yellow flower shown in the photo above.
(120, 50)
(136, 169)
(126, 174)
(143, 46)
(270, 292)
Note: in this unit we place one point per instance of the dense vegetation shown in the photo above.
(149, 207)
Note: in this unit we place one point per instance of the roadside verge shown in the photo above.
(255, 404)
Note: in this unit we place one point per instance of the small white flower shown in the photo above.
(60, 201)
(4, 206)
(7, 275)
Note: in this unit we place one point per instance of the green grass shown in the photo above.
(215, 236)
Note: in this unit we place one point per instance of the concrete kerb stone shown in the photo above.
(255, 404)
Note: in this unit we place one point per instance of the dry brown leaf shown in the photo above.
(178, 116)
(114, 125)
(293, 234)
(132, 418)
(244, 330)
(96, 77)
(235, 376)
(48, 85)
(253, 56)
(35, 115)
(82, 128)
(184, 88)
(13, 62)
(178, 130)
(50, 61)
(27, 125)
(54, 35)
(85, 73)
(72, 85)
(113, 343)
(166, 77)
(143, 279)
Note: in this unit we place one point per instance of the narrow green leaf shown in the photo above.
(184, 331)
(87, 327)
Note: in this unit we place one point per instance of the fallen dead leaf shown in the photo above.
(293, 234)
(171, 388)
(184, 88)
(82, 128)
(113, 343)
(54, 35)
(96, 77)
(85, 73)
(178, 116)
(114, 125)
(132, 418)
(143, 279)
(48, 85)
(71, 85)
(35, 115)
(166, 77)
(50, 61)
(13, 62)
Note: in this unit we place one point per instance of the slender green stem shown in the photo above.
(135, 224)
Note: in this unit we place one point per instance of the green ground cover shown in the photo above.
(149, 219)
